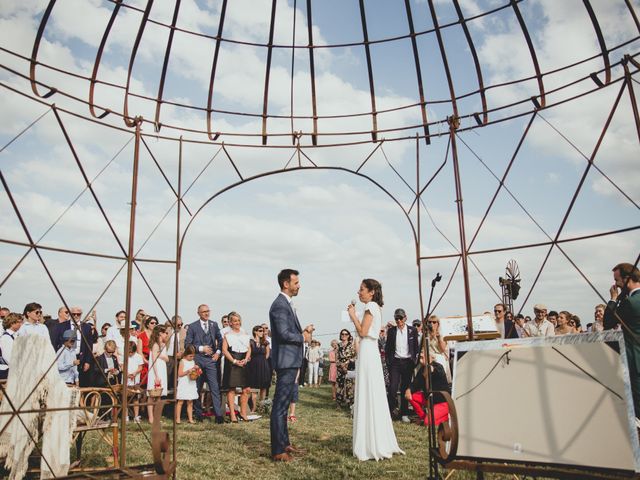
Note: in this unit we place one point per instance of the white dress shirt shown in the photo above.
(402, 342)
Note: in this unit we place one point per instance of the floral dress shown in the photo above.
(383, 355)
(345, 386)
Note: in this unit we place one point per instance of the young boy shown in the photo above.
(67, 360)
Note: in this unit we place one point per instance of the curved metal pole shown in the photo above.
(214, 66)
(603, 46)
(96, 63)
(532, 52)
(167, 53)
(34, 53)
(295, 169)
(367, 51)
(134, 51)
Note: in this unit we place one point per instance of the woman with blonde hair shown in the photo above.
(157, 385)
(236, 349)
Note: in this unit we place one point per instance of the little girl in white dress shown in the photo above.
(187, 388)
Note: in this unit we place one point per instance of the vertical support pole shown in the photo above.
(177, 280)
(433, 467)
(632, 95)
(454, 123)
(130, 260)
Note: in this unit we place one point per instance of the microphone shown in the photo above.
(436, 280)
(353, 302)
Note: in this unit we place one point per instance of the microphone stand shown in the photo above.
(434, 475)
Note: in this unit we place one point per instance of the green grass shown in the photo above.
(242, 450)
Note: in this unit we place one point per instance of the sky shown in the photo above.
(335, 227)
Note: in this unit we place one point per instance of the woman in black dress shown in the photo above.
(259, 369)
(237, 353)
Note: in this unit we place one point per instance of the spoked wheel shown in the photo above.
(447, 433)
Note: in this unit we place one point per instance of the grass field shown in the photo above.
(242, 450)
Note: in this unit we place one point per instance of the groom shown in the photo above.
(287, 338)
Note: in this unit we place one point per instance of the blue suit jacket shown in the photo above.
(89, 337)
(286, 335)
(197, 337)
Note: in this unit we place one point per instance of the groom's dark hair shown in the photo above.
(285, 276)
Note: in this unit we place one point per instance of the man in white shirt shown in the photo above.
(401, 354)
(540, 326)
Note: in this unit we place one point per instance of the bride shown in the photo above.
(373, 435)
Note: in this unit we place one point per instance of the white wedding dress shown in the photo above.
(373, 435)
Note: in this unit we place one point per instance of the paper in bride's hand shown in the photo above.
(344, 318)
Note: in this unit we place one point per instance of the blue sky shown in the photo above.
(334, 227)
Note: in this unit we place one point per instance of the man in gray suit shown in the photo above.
(205, 336)
(287, 338)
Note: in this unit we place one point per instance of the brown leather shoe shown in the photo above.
(293, 450)
(282, 457)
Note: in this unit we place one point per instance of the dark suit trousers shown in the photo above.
(209, 375)
(285, 385)
(400, 372)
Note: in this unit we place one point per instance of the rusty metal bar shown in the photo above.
(437, 172)
(130, 263)
(476, 61)
(176, 341)
(166, 179)
(632, 95)
(374, 114)
(416, 60)
(632, 11)
(532, 52)
(232, 162)
(98, 60)
(134, 51)
(312, 76)
(24, 130)
(577, 191)
(603, 46)
(265, 104)
(369, 156)
(293, 63)
(539, 244)
(86, 178)
(214, 66)
(163, 75)
(503, 179)
(34, 53)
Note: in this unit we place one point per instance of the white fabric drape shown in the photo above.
(34, 368)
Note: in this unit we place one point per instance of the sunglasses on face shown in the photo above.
(344, 334)
(398, 318)
(37, 312)
(153, 323)
(76, 314)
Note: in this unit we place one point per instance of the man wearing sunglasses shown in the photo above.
(86, 336)
(505, 325)
(401, 353)
(33, 321)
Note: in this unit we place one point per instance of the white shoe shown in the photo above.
(637, 422)
(137, 419)
(126, 419)
(405, 419)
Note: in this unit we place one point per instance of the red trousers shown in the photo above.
(419, 403)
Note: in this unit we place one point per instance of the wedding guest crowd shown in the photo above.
(215, 363)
